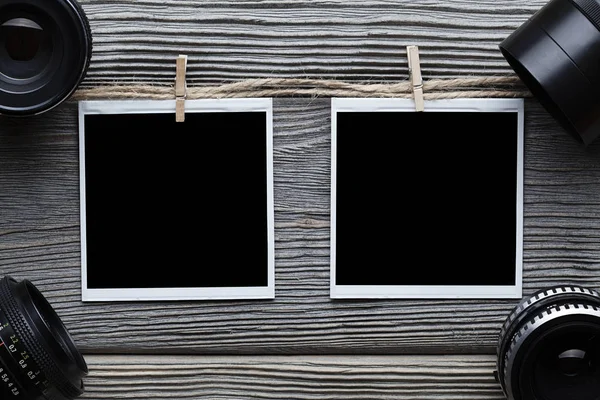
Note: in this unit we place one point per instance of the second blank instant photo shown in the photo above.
(427, 204)
(177, 210)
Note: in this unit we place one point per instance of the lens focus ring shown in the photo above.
(9, 305)
(540, 298)
(545, 335)
(589, 8)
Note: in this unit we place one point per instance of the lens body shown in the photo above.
(38, 358)
(45, 49)
(549, 346)
(556, 53)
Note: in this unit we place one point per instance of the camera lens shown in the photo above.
(556, 53)
(45, 50)
(549, 346)
(38, 358)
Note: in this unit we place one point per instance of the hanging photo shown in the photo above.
(427, 204)
(177, 210)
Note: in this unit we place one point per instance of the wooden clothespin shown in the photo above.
(416, 79)
(180, 88)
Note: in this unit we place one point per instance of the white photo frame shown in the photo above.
(360, 105)
(127, 107)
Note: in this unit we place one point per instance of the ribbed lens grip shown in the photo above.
(26, 335)
(589, 8)
(531, 314)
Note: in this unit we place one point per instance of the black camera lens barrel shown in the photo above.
(45, 51)
(556, 53)
(549, 346)
(38, 358)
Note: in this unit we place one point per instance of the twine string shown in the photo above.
(502, 86)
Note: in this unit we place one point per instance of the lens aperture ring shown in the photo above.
(10, 307)
(533, 324)
(589, 8)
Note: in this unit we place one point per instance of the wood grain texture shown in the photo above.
(139, 40)
(292, 377)
(39, 240)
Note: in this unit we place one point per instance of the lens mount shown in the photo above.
(45, 50)
(38, 358)
(549, 346)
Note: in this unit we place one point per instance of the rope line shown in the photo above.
(501, 86)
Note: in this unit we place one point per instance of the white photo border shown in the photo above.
(429, 291)
(91, 107)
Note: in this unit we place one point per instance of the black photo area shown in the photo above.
(176, 204)
(426, 198)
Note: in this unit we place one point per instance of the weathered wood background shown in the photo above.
(300, 345)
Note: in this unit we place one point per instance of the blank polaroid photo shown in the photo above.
(176, 210)
(427, 204)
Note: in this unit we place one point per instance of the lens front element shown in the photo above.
(25, 49)
(45, 49)
(21, 38)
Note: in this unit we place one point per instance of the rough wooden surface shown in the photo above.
(39, 240)
(292, 377)
(139, 40)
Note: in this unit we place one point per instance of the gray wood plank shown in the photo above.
(292, 377)
(138, 41)
(39, 240)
